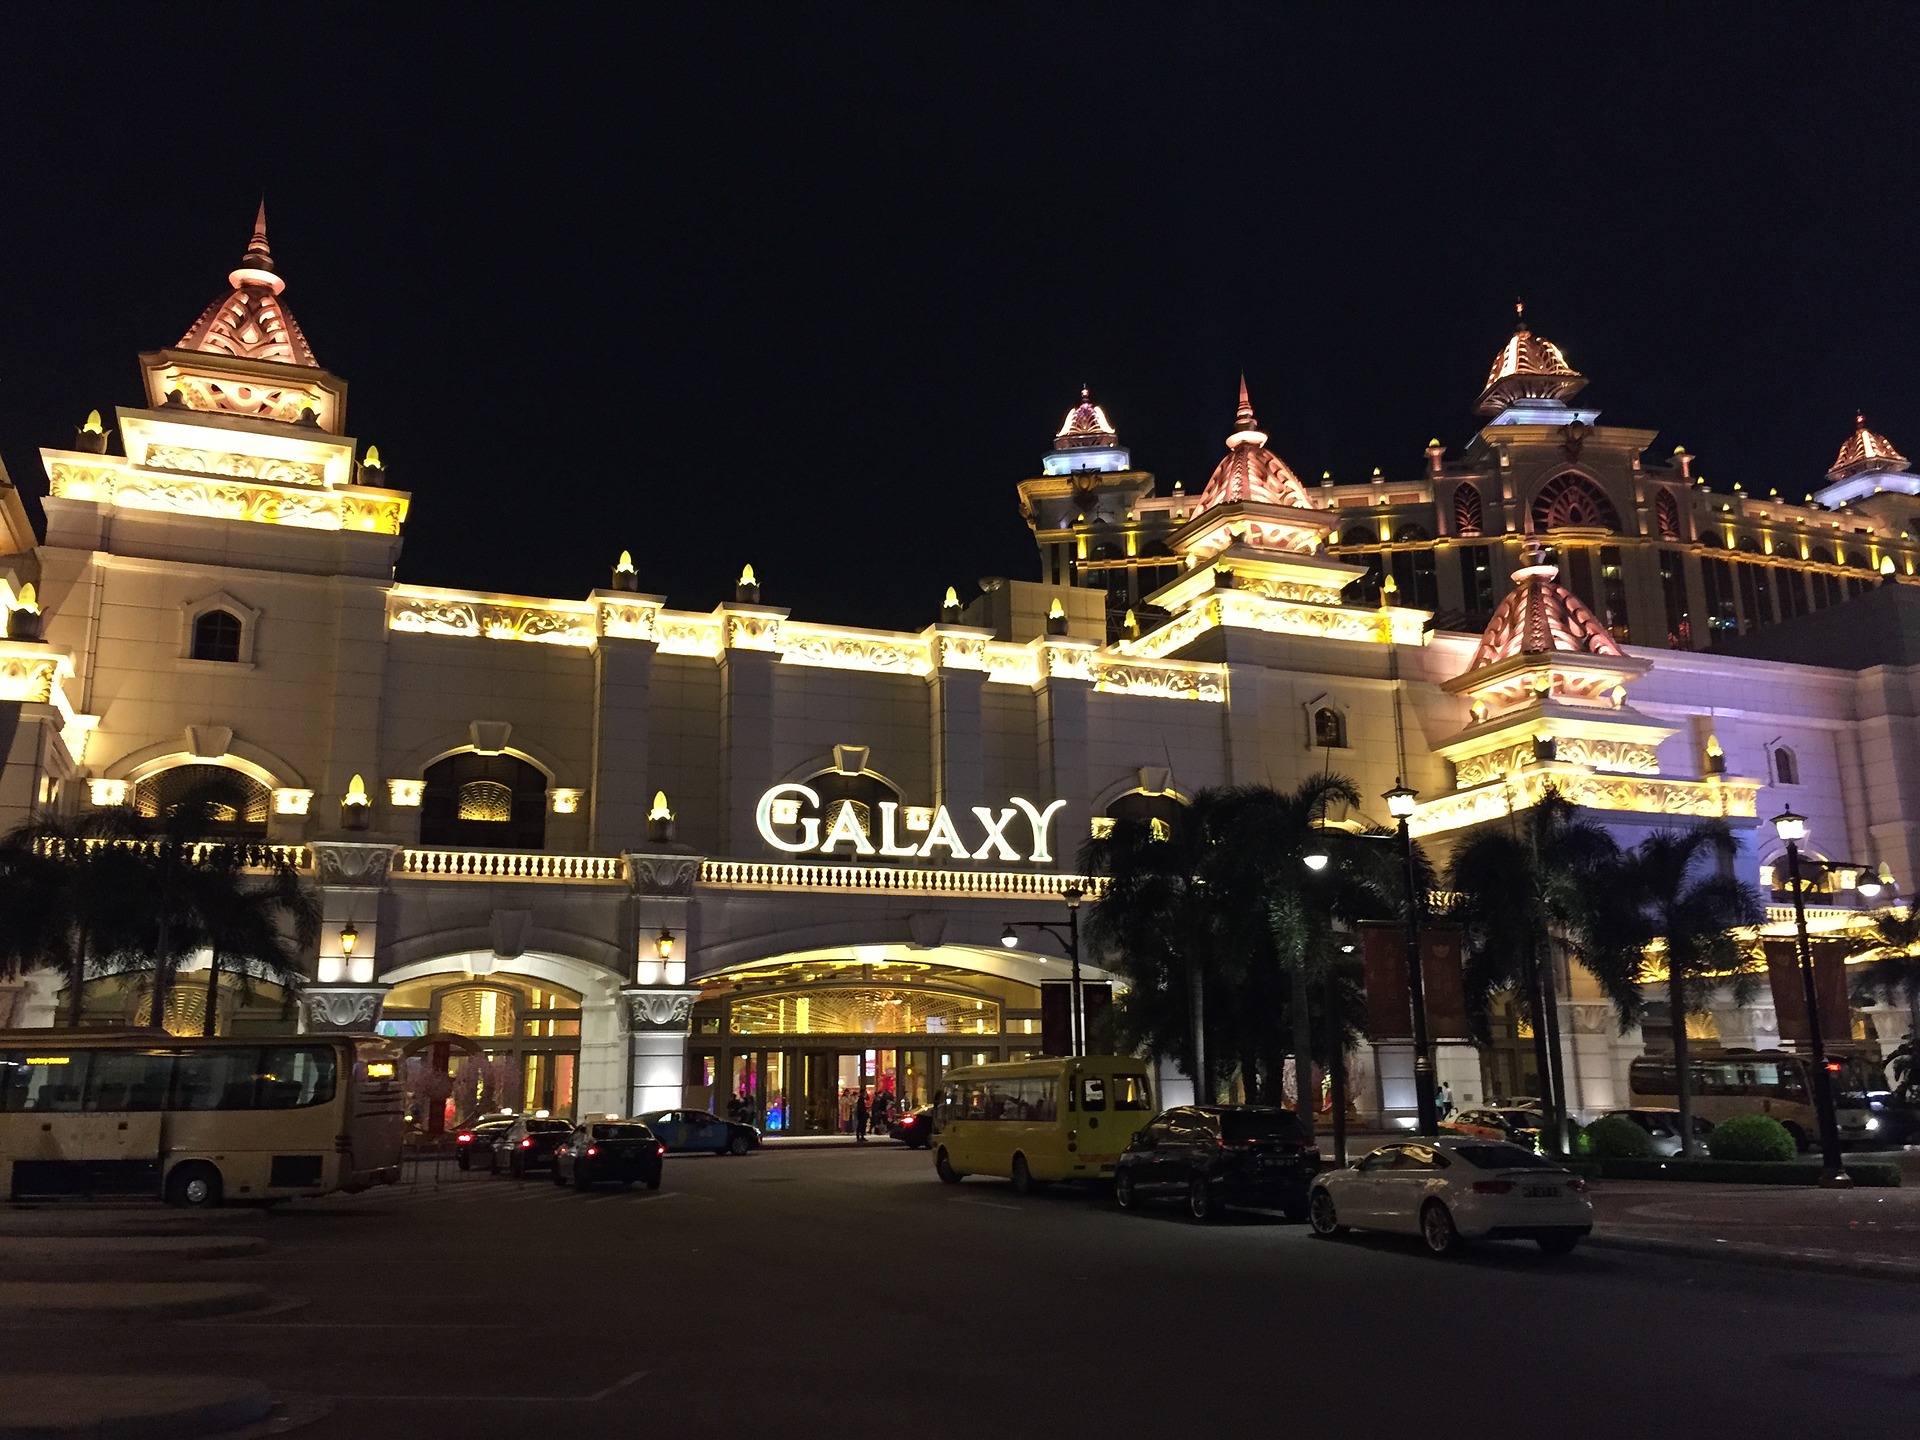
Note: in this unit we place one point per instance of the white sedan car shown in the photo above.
(1454, 1188)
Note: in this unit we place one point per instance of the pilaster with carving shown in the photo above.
(337, 1009)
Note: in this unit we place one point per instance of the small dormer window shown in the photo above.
(1786, 766)
(1329, 729)
(216, 636)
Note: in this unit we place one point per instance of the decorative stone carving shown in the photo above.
(652, 1007)
(28, 677)
(1594, 1019)
(746, 630)
(663, 874)
(1165, 681)
(690, 635)
(553, 623)
(219, 498)
(509, 930)
(1012, 665)
(624, 620)
(241, 467)
(341, 1007)
(843, 650)
(343, 862)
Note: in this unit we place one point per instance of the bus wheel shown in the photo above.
(194, 1186)
(1023, 1181)
(1800, 1142)
(943, 1167)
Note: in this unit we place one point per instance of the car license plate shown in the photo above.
(1540, 1192)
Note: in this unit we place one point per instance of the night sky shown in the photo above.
(811, 286)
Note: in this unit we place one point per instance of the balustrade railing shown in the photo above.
(438, 864)
(761, 875)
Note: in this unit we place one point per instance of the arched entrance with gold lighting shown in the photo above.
(483, 1043)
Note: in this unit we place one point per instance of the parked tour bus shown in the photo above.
(197, 1121)
(1032, 1121)
(1763, 1082)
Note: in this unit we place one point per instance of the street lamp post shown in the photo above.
(1069, 937)
(1400, 802)
(1792, 829)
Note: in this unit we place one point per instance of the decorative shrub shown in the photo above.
(1751, 1137)
(1618, 1138)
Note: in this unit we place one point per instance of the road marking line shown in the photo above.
(594, 1398)
(987, 1204)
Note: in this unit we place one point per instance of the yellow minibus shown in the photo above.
(1779, 1083)
(197, 1121)
(1035, 1121)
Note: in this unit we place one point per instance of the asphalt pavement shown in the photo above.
(845, 1292)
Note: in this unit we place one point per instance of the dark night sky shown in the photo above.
(811, 286)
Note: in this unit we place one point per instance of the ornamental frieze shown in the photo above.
(1169, 682)
(829, 650)
(547, 625)
(659, 1009)
(347, 863)
(663, 874)
(241, 467)
(28, 678)
(328, 1008)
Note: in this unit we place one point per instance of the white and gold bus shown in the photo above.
(1033, 1121)
(1779, 1083)
(196, 1121)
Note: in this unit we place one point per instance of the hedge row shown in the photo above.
(1873, 1174)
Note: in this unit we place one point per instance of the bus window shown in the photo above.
(129, 1080)
(43, 1082)
(1130, 1093)
(294, 1077)
(213, 1079)
(1093, 1093)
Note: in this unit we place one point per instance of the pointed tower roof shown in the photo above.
(1086, 427)
(1528, 367)
(1540, 616)
(252, 323)
(1865, 452)
(1251, 472)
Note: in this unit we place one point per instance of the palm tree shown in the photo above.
(253, 928)
(1156, 920)
(1674, 891)
(69, 897)
(1521, 888)
(1892, 972)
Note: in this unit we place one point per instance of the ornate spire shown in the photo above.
(1528, 368)
(1541, 616)
(1086, 427)
(251, 323)
(1251, 472)
(1865, 452)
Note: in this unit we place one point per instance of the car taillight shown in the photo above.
(1492, 1187)
(527, 1144)
(463, 1138)
(1577, 1185)
(659, 1149)
(593, 1149)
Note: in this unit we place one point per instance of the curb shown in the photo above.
(113, 1222)
(38, 1302)
(46, 1251)
(1820, 1261)
(127, 1407)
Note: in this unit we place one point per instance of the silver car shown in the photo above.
(1663, 1129)
(1455, 1188)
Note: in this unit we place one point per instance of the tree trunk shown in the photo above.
(210, 1025)
(1549, 1003)
(77, 977)
(162, 972)
(1303, 1089)
(1197, 1012)
(1682, 1068)
(1537, 1005)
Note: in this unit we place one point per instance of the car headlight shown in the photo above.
(1873, 1122)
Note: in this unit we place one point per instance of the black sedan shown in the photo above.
(913, 1128)
(609, 1152)
(526, 1146)
(683, 1130)
(474, 1143)
(1211, 1156)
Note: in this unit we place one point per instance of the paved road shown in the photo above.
(834, 1292)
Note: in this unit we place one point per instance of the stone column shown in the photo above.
(954, 691)
(659, 1018)
(346, 993)
(622, 719)
(1066, 682)
(750, 636)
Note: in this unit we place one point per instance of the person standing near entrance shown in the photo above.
(882, 1106)
(860, 1117)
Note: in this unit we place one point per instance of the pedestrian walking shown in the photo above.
(860, 1118)
(882, 1107)
(1443, 1100)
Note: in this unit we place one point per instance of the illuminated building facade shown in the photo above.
(598, 854)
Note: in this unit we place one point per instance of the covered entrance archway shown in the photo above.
(484, 1043)
(792, 1042)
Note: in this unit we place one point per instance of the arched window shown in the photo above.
(1468, 517)
(1748, 545)
(1786, 766)
(1570, 501)
(484, 801)
(1159, 813)
(1358, 535)
(1666, 514)
(216, 636)
(233, 805)
(1857, 559)
(1410, 533)
(1329, 729)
